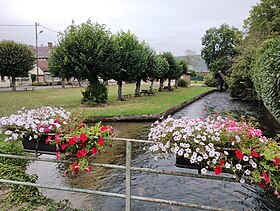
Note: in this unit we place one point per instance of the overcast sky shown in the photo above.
(167, 25)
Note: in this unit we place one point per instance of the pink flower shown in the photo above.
(73, 140)
(46, 129)
(81, 153)
(57, 138)
(65, 173)
(101, 141)
(218, 170)
(48, 139)
(83, 137)
(57, 155)
(239, 154)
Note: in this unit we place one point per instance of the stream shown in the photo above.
(227, 195)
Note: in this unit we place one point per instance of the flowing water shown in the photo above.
(227, 195)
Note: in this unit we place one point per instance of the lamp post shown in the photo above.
(36, 48)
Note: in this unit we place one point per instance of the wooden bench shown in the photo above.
(147, 92)
(167, 88)
(31, 88)
(126, 96)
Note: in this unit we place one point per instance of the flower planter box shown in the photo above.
(183, 162)
(40, 146)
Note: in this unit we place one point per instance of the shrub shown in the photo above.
(209, 80)
(39, 84)
(95, 94)
(266, 75)
(182, 83)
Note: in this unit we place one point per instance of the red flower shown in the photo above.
(265, 176)
(88, 169)
(75, 167)
(57, 138)
(63, 146)
(262, 184)
(218, 170)
(255, 154)
(81, 125)
(48, 139)
(83, 137)
(94, 151)
(56, 121)
(81, 153)
(72, 140)
(239, 154)
(222, 162)
(101, 141)
(107, 127)
(276, 161)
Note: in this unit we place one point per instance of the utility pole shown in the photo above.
(36, 48)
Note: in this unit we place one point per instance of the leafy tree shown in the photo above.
(219, 48)
(129, 60)
(16, 59)
(162, 67)
(86, 51)
(174, 68)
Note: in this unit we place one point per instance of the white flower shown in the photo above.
(225, 152)
(238, 166)
(197, 149)
(199, 158)
(245, 158)
(211, 145)
(237, 138)
(254, 165)
(227, 165)
(242, 181)
(181, 152)
(247, 172)
(8, 132)
(203, 171)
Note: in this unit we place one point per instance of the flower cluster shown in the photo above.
(33, 123)
(222, 145)
(73, 139)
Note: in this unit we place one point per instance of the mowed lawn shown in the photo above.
(70, 99)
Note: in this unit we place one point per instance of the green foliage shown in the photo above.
(266, 75)
(16, 59)
(33, 77)
(220, 47)
(209, 80)
(174, 71)
(182, 83)
(95, 94)
(86, 51)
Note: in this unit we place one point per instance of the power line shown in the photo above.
(48, 28)
(14, 25)
(23, 34)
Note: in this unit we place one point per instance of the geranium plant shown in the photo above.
(73, 139)
(222, 145)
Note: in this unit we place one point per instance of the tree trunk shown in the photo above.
(14, 83)
(79, 82)
(169, 82)
(119, 90)
(62, 83)
(152, 84)
(137, 89)
(160, 84)
(176, 84)
(93, 80)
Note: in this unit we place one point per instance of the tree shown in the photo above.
(129, 60)
(86, 51)
(219, 48)
(162, 67)
(174, 68)
(16, 59)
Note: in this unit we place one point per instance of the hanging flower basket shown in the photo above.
(221, 145)
(54, 131)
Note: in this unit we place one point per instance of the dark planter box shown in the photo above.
(39, 146)
(183, 162)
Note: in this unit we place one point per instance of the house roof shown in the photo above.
(43, 51)
(43, 65)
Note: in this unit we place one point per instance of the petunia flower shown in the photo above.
(239, 154)
(63, 146)
(81, 153)
(265, 176)
(255, 154)
(218, 170)
(73, 140)
(94, 150)
(276, 161)
(101, 141)
(48, 139)
(83, 137)
(75, 167)
(88, 169)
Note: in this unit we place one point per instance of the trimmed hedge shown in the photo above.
(266, 75)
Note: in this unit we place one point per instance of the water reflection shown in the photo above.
(206, 192)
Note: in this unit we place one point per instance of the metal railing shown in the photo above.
(128, 168)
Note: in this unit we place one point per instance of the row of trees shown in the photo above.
(252, 59)
(90, 51)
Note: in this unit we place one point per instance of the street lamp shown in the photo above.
(36, 48)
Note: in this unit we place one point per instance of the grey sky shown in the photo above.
(167, 25)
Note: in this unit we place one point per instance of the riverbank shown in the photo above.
(70, 99)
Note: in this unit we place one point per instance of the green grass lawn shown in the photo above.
(70, 99)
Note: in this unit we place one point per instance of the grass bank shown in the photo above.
(70, 99)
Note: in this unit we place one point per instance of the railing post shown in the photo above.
(128, 176)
